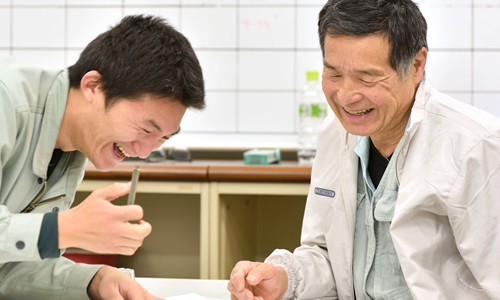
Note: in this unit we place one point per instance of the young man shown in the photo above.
(125, 96)
(413, 175)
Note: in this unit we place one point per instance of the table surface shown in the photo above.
(168, 287)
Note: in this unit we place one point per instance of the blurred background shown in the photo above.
(255, 54)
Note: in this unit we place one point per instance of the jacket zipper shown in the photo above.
(36, 202)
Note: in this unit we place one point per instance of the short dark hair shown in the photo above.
(143, 55)
(399, 20)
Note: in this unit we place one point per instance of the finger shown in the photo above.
(145, 227)
(122, 250)
(261, 272)
(135, 231)
(235, 294)
(114, 191)
(135, 291)
(239, 273)
(113, 295)
(127, 213)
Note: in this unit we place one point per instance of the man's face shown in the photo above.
(366, 94)
(129, 128)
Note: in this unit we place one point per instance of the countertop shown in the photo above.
(205, 170)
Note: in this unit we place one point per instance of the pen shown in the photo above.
(135, 178)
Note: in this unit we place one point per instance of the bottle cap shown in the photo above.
(312, 75)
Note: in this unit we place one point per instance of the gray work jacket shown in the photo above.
(32, 105)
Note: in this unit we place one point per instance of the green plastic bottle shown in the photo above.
(312, 111)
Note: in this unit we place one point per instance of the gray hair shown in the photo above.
(399, 20)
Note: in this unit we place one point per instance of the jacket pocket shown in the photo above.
(469, 287)
(466, 278)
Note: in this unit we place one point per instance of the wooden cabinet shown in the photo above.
(209, 215)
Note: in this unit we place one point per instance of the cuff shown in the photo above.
(292, 282)
(79, 279)
(22, 237)
(48, 240)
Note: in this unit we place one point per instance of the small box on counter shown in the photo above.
(262, 156)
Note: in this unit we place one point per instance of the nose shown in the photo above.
(348, 92)
(145, 146)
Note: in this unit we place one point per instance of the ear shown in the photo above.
(90, 85)
(419, 64)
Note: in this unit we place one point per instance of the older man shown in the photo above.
(413, 176)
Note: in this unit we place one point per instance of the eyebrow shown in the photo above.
(155, 125)
(371, 72)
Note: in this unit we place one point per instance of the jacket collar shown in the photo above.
(54, 106)
(421, 97)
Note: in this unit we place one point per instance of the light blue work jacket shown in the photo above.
(32, 105)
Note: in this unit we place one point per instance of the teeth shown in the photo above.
(358, 112)
(122, 150)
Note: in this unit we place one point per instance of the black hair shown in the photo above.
(399, 20)
(143, 55)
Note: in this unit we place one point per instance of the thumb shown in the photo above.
(261, 272)
(114, 191)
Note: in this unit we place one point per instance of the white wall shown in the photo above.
(254, 54)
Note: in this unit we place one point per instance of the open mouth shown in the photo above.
(358, 112)
(119, 151)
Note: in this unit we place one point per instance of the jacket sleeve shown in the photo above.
(309, 271)
(57, 278)
(18, 232)
(309, 268)
(474, 214)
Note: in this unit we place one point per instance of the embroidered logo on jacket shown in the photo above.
(324, 192)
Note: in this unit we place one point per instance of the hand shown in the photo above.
(254, 280)
(110, 283)
(99, 226)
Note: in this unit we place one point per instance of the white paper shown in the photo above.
(191, 296)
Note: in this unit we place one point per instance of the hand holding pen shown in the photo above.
(99, 226)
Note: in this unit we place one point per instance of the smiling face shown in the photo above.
(366, 94)
(128, 128)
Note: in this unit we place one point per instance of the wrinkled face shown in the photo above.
(129, 128)
(366, 94)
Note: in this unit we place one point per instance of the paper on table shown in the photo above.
(191, 296)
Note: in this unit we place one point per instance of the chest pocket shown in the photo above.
(385, 204)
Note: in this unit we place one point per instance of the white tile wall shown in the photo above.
(94, 2)
(38, 2)
(487, 26)
(254, 54)
(450, 70)
(266, 70)
(210, 27)
(307, 27)
(266, 2)
(219, 116)
(209, 2)
(40, 27)
(72, 57)
(85, 24)
(4, 27)
(489, 103)
(151, 2)
(272, 28)
(221, 65)
(266, 112)
(464, 97)
(449, 25)
(487, 71)
(170, 13)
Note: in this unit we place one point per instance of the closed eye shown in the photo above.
(146, 131)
